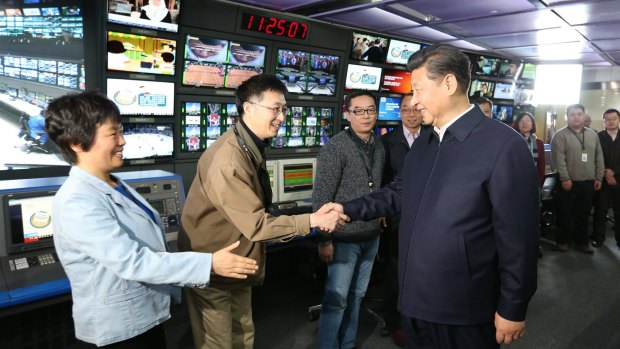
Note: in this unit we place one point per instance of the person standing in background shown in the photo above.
(578, 157)
(525, 124)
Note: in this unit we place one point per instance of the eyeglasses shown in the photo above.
(275, 110)
(407, 110)
(360, 112)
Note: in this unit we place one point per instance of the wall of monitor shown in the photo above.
(173, 74)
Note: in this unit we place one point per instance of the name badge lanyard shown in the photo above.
(264, 181)
(368, 164)
(582, 141)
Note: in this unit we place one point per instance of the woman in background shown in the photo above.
(526, 126)
(110, 241)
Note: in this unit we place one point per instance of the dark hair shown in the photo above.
(410, 94)
(349, 98)
(575, 106)
(167, 57)
(255, 86)
(73, 120)
(612, 110)
(515, 125)
(484, 100)
(115, 46)
(441, 60)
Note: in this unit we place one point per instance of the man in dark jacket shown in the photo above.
(375, 52)
(468, 197)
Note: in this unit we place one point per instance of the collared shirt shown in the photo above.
(411, 137)
(261, 144)
(442, 131)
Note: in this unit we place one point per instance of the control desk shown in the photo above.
(29, 266)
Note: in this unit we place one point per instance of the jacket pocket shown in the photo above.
(126, 295)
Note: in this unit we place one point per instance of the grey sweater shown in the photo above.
(567, 153)
(342, 175)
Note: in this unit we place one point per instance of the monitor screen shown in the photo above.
(400, 51)
(322, 73)
(503, 113)
(292, 68)
(368, 47)
(141, 54)
(524, 94)
(28, 220)
(295, 178)
(148, 141)
(144, 98)
(389, 109)
(32, 11)
(50, 11)
(380, 131)
(305, 127)
(153, 14)
(529, 72)
(479, 88)
(361, 77)
(204, 122)
(396, 81)
(488, 66)
(504, 91)
(246, 54)
(510, 69)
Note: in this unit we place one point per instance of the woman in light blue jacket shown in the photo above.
(110, 241)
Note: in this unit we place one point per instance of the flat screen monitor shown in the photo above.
(305, 127)
(154, 14)
(389, 109)
(272, 170)
(142, 98)
(396, 81)
(362, 43)
(504, 91)
(31, 11)
(204, 122)
(481, 88)
(295, 179)
(141, 54)
(503, 113)
(50, 11)
(292, 69)
(13, 12)
(322, 72)
(529, 72)
(148, 141)
(399, 51)
(250, 55)
(28, 221)
(524, 94)
(487, 66)
(381, 131)
(361, 77)
(510, 69)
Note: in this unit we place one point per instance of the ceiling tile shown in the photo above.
(540, 37)
(441, 10)
(279, 5)
(608, 45)
(372, 18)
(465, 45)
(554, 51)
(425, 33)
(614, 55)
(603, 11)
(599, 31)
(505, 24)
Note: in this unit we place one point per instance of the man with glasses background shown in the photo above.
(349, 166)
(228, 201)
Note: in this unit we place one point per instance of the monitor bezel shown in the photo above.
(299, 195)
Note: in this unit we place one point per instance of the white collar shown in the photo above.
(442, 131)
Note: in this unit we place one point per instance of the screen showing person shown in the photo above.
(360, 77)
(389, 109)
(140, 54)
(480, 88)
(322, 73)
(363, 42)
(396, 81)
(504, 91)
(510, 69)
(529, 72)
(205, 49)
(292, 68)
(485, 65)
(503, 113)
(192, 138)
(246, 54)
(28, 220)
(50, 11)
(148, 141)
(399, 51)
(152, 14)
(524, 94)
(139, 97)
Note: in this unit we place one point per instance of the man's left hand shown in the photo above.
(507, 331)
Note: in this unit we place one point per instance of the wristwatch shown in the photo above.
(325, 243)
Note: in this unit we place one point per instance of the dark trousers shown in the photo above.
(573, 210)
(155, 338)
(389, 240)
(420, 334)
(602, 199)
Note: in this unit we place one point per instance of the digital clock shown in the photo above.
(274, 26)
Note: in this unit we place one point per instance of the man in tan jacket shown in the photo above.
(227, 202)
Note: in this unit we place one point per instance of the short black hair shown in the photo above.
(575, 106)
(349, 98)
(521, 116)
(255, 86)
(484, 100)
(441, 60)
(611, 110)
(73, 119)
(410, 94)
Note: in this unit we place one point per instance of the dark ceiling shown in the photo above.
(566, 31)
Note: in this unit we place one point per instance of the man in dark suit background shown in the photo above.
(468, 198)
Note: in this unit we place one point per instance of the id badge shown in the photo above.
(584, 157)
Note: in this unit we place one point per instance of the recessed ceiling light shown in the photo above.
(494, 12)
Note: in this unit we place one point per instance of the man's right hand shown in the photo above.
(567, 185)
(226, 263)
(328, 218)
(326, 253)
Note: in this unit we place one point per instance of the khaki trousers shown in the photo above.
(220, 318)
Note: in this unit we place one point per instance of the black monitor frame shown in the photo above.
(12, 246)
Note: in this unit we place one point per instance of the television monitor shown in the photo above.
(361, 77)
(380, 131)
(70, 11)
(487, 66)
(235, 75)
(206, 49)
(145, 15)
(204, 122)
(389, 109)
(31, 11)
(481, 88)
(322, 72)
(50, 11)
(524, 94)
(396, 81)
(142, 98)
(305, 127)
(503, 113)
(504, 91)
(28, 220)
(141, 54)
(510, 69)
(272, 170)
(399, 51)
(363, 42)
(292, 68)
(528, 72)
(148, 141)
(246, 54)
(518, 109)
(295, 179)
(13, 12)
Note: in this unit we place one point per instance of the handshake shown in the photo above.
(329, 217)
